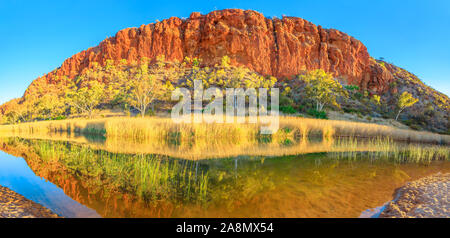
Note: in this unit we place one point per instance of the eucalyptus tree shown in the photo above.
(405, 100)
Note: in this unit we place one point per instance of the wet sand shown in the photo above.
(14, 205)
(424, 198)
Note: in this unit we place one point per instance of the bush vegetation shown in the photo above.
(143, 88)
(136, 86)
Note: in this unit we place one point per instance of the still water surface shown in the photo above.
(17, 176)
(75, 180)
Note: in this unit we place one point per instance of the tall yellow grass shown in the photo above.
(82, 126)
(157, 128)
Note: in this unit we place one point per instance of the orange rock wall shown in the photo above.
(279, 47)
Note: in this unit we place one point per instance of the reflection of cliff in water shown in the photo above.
(107, 197)
(316, 185)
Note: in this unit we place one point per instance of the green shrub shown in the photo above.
(286, 101)
(408, 122)
(350, 110)
(352, 87)
(60, 118)
(415, 127)
(317, 114)
(300, 108)
(287, 109)
(150, 112)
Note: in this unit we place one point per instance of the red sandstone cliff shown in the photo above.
(278, 47)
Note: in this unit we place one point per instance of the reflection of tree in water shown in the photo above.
(86, 175)
(126, 185)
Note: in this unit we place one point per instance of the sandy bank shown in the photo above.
(14, 205)
(424, 198)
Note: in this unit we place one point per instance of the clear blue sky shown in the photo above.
(37, 36)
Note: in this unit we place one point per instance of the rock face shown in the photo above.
(279, 47)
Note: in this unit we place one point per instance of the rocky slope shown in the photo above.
(279, 47)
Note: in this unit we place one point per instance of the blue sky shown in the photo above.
(37, 36)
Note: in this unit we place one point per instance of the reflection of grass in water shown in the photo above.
(241, 186)
(285, 142)
(202, 141)
(386, 148)
(150, 177)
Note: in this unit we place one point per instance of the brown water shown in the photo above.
(81, 180)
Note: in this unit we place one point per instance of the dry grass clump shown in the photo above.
(307, 127)
(145, 129)
(82, 126)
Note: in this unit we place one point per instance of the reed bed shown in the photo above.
(163, 129)
(387, 149)
(71, 126)
(204, 149)
(149, 177)
(157, 128)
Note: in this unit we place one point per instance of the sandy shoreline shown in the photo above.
(424, 198)
(14, 205)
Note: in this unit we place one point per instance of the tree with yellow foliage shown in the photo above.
(15, 112)
(322, 88)
(49, 106)
(405, 100)
(145, 88)
(86, 98)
